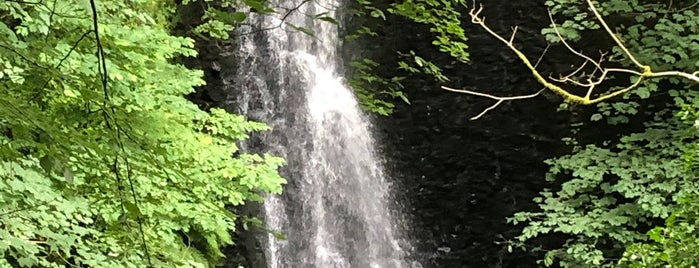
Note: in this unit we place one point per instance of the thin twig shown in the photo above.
(546, 49)
(23, 56)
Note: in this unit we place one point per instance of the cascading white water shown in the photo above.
(335, 211)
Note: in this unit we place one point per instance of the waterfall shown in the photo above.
(336, 210)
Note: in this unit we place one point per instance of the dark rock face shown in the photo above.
(462, 178)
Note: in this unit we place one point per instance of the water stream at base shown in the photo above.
(336, 210)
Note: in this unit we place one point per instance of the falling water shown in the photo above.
(335, 211)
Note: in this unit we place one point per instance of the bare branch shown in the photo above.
(498, 98)
(558, 33)
(693, 76)
(615, 38)
(476, 19)
(593, 79)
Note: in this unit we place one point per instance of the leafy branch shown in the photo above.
(282, 21)
(104, 79)
(591, 82)
(80, 125)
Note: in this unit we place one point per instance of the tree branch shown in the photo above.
(281, 21)
(642, 72)
(499, 99)
(614, 37)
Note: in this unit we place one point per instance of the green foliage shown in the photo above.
(96, 176)
(375, 91)
(221, 17)
(372, 89)
(674, 245)
(444, 19)
(609, 193)
(422, 66)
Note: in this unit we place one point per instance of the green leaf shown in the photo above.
(258, 6)
(239, 16)
(596, 117)
(328, 19)
(304, 30)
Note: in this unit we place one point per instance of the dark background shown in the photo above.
(461, 178)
